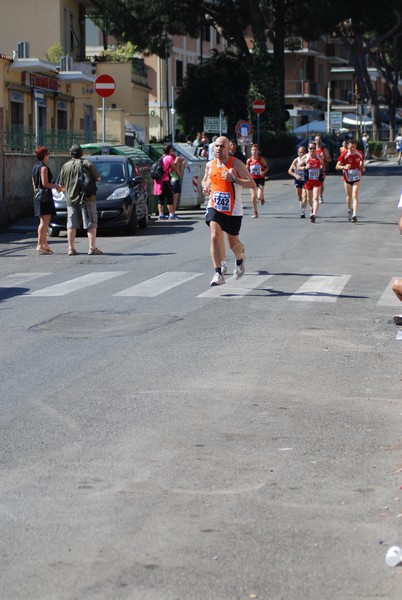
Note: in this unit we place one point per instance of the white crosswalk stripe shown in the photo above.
(236, 288)
(73, 285)
(159, 284)
(388, 297)
(320, 288)
(16, 279)
(317, 288)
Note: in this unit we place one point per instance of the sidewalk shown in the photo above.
(29, 225)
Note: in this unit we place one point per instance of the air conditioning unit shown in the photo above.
(66, 63)
(22, 50)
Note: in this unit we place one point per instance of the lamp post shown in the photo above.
(357, 110)
(328, 107)
(173, 112)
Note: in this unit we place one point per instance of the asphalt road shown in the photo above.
(162, 440)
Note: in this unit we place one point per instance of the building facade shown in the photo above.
(166, 76)
(54, 102)
(44, 23)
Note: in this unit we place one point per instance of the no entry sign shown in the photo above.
(104, 85)
(259, 106)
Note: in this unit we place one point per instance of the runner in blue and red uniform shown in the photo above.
(299, 176)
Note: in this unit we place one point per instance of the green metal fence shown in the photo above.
(154, 151)
(23, 139)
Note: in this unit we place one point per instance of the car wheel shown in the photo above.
(53, 232)
(143, 222)
(132, 225)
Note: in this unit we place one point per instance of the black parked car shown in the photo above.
(121, 199)
(141, 160)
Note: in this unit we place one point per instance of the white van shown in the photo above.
(191, 192)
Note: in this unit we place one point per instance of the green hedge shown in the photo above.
(375, 148)
(274, 145)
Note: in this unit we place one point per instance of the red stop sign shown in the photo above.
(258, 106)
(104, 85)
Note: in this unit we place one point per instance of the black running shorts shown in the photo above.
(228, 224)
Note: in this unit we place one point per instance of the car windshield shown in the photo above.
(111, 172)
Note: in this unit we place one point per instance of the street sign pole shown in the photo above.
(37, 97)
(173, 112)
(104, 86)
(103, 120)
(328, 108)
(37, 141)
(258, 107)
(221, 115)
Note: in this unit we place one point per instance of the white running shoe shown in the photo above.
(217, 279)
(224, 267)
(240, 269)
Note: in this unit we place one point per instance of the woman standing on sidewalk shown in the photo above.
(41, 178)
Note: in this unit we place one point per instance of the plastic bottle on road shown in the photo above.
(393, 556)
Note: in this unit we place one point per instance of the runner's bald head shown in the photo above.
(221, 148)
(222, 140)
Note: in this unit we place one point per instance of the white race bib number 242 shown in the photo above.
(222, 201)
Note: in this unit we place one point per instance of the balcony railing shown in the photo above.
(23, 139)
(301, 87)
(139, 71)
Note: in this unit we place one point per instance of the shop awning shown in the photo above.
(33, 65)
(350, 119)
(75, 77)
(312, 127)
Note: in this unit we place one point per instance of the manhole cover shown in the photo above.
(103, 324)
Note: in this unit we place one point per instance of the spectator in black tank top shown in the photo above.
(42, 177)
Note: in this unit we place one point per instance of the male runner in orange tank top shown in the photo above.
(224, 178)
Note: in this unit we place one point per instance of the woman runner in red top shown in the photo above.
(323, 153)
(314, 166)
(258, 167)
(351, 162)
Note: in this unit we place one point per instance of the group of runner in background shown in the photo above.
(308, 170)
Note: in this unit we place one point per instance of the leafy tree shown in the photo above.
(121, 53)
(105, 16)
(196, 99)
(387, 57)
(147, 23)
(365, 36)
(55, 53)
